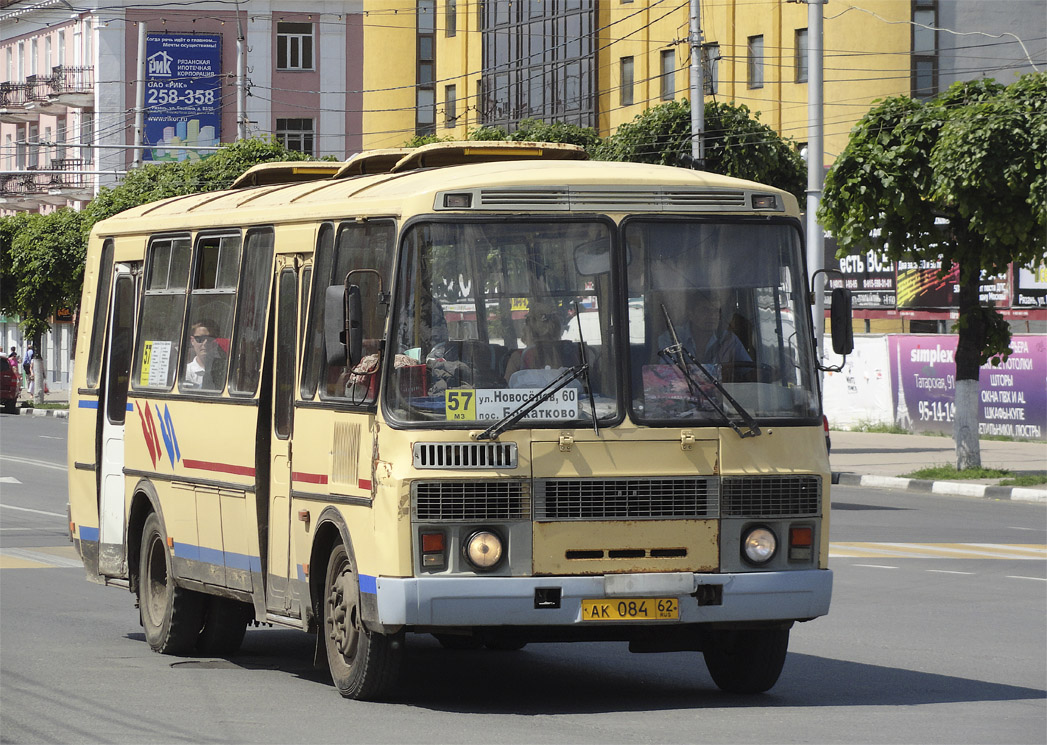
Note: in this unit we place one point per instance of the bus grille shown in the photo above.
(504, 499)
(626, 499)
(465, 455)
(771, 496)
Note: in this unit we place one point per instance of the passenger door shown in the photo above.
(278, 595)
(112, 546)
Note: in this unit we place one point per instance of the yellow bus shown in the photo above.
(491, 392)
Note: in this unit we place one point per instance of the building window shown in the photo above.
(627, 81)
(801, 55)
(450, 106)
(924, 48)
(668, 74)
(711, 68)
(755, 58)
(425, 70)
(451, 18)
(294, 46)
(296, 134)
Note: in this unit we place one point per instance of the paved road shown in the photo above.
(947, 649)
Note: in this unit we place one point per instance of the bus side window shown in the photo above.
(206, 361)
(101, 314)
(163, 307)
(312, 341)
(252, 301)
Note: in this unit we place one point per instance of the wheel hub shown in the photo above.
(343, 617)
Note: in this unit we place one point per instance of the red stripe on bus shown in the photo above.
(309, 478)
(363, 484)
(204, 465)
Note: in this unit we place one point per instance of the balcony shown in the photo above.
(23, 191)
(39, 99)
(72, 183)
(73, 86)
(13, 99)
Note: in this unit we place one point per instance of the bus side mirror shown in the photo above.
(840, 316)
(343, 325)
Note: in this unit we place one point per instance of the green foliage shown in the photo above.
(974, 156)
(950, 473)
(160, 181)
(736, 144)
(536, 130)
(42, 266)
(419, 140)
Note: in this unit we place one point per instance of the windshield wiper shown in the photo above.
(583, 358)
(677, 356)
(533, 401)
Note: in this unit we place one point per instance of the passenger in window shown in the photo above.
(701, 331)
(206, 369)
(543, 332)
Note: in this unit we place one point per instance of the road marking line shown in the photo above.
(947, 571)
(15, 558)
(875, 566)
(26, 509)
(863, 550)
(1038, 579)
(32, 462)
(9, 480)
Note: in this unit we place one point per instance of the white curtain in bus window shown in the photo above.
(210, 317)
(252, 304)
(163, 305)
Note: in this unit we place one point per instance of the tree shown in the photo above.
(736, 144)
(536, 130)
(42, 268)
(959, 178)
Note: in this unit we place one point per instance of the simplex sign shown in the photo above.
(1012, 396)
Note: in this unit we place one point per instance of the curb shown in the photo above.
(943, 488)
(29, 411)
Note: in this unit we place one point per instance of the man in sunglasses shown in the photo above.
(206, 369)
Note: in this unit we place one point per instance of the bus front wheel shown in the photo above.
(363, 663)
(171, 616)
(745, 660)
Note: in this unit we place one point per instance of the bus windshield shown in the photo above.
(490, 313)
(728, 297)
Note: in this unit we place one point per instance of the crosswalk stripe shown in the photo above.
(29, 558)
(882, 550)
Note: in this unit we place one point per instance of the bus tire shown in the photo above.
(363, 663)
(745, 660)
(225, 623)
(171, 616)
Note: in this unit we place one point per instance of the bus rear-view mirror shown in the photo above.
(343, 325)
(840, 316)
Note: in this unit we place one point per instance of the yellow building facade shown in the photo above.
(640, 57)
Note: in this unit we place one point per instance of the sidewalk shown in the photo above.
(54, 397)
(877, 459)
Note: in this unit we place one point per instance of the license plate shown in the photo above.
(631, 609)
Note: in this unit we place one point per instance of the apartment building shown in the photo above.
(70, 85)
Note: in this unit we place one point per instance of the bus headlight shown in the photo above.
(759, 545)
(483, 549)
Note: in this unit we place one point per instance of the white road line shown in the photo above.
(1038, 579)
(9, 480)
(42, 558)
(874, 566)
(947, 571)
(26, 509)
(32, 462)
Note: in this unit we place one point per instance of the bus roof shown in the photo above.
(401, 181)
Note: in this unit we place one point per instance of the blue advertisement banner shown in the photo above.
(183, 96)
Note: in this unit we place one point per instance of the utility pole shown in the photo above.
(815, 164)
(139, 154)
(697, 87)
(241, 78)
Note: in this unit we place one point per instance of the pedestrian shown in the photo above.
(27, 366)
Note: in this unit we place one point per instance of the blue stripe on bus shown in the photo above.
(88, 534)
(217, 557)
(368, 584)
(85, 404)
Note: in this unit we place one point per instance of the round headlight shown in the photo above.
(759, 545)
(483, 549)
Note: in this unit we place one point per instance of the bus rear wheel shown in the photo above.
(171, 616)
(745, 660)
(225, 623)
(363, 663)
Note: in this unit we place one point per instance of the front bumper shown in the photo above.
(510, 601)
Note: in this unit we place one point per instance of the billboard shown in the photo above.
(1030, 286)
(1012, 398)
(921, 285)
(867, 273)
(183, 96)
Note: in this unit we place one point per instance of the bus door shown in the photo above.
(111, 550)
(278, 595)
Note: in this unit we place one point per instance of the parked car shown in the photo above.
(10, 384)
